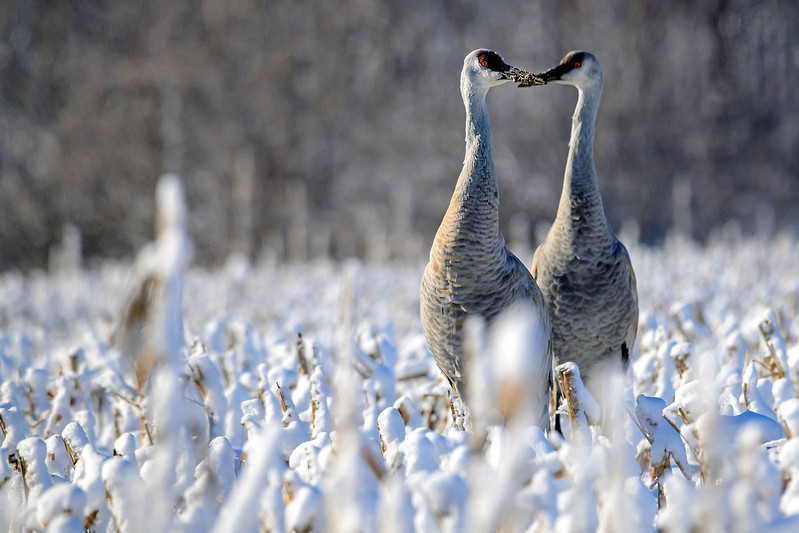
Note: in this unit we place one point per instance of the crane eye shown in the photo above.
(491, 61)
(577, 64)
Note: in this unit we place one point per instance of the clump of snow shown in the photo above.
(64, 501)
(126, 496)
(59, 457)
(33, 456)
(789, 416)
(391, 428)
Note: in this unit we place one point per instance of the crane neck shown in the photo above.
(580, 201)
(477, 188)
(473, 213)
(478, 130)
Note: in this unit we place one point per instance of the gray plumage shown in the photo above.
(581, 267)
(470, 271)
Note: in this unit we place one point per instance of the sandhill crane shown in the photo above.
(581, 267)
(470, 271)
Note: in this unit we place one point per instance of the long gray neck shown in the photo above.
(580, 206)
(476, 197)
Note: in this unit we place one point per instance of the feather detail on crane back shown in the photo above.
(581, 267)
(471, 272)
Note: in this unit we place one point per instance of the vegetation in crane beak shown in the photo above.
(493, 61)
(523, 78)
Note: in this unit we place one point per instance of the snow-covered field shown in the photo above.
(272, 397)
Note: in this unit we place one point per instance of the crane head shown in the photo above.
(576, 68)
(486, 67)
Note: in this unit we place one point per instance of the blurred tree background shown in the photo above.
(305, 128)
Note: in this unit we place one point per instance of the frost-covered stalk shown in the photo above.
(351, 489)
(59, 457)
(509, 364)
(481, 412)
(69, 398)
(522, 364)
(126, 495)
(5, 470)
(89, 478)
(789, 417)
(33, 460)
(711, 441)
(151, 335)
(625, 503)
(269, 402)
(775, 357)
(62, 508)
(683, 356)
(396, 511)
(391, 430)
(13, 426)
(304, 361)
(754, 483)
(581, 409)
(295, 432)
(214, 478)
(690, 321)
(319, 393)
(577, 504)
(151, 326)
(169, 469)
(207, 379)
(665, 443)
(256, 501)
(789, 457)
(752, 398)
(375, 355)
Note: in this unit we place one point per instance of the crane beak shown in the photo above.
(522, 77)
(554, 74)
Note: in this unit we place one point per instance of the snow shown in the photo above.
(125, 493)
(61, 499)
(391, 428)
(300, 397)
